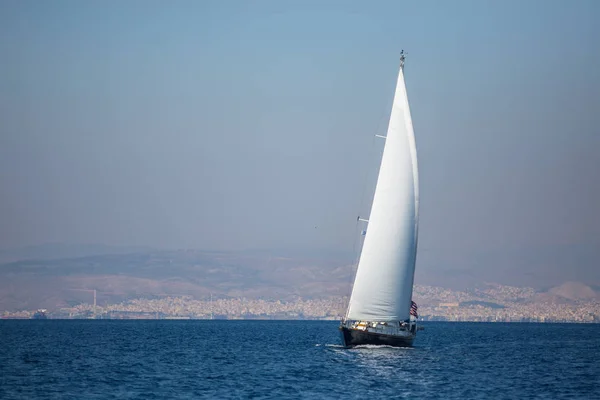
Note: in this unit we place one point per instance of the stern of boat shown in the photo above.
(396, 334)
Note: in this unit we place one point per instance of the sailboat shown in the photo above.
(381, 310)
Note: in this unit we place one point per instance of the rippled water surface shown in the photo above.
(56, 359)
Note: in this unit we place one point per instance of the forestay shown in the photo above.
(384, 279)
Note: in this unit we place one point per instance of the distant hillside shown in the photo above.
(540, 267)
(55, 283)
(575, 291)
(58, 282)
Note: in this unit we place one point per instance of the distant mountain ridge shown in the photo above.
(575, 291)
(49, 251)
(58, 282)
(541, 267)
(61, 282)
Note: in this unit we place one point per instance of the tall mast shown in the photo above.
(383, 284)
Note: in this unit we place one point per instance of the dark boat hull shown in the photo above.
(354, 337)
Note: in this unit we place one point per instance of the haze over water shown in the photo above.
(233, 126)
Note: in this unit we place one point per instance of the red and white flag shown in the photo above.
(413, 309)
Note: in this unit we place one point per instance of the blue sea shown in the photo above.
(95, 359)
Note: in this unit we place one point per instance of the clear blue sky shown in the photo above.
(236, 125)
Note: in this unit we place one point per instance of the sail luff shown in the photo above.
(384, 279)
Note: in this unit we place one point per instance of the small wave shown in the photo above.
(381, 346)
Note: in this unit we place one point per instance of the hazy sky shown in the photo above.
(239, 125)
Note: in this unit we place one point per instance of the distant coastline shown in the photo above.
(134, 283)
(436, 304)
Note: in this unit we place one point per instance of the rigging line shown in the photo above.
(358, 238)
(382, 125)
(383, 119)
(355, 251)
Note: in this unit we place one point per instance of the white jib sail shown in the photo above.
(383, 285)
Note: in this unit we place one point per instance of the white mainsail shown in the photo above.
(383, 285)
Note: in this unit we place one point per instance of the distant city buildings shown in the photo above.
(493, 303)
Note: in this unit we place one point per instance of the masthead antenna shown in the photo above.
(402, 58)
